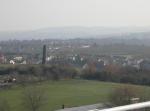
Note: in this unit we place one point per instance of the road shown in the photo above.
(84, 108)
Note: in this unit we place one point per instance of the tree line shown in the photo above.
(120, 75)
(32, 73)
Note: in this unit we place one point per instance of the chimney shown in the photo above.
(44, 55)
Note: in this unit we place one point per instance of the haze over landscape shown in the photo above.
(78, 32)
(25, 19)
(74, 55)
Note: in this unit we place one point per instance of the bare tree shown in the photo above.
(123, 95)
(34, 98)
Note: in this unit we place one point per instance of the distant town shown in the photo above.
(79, 53)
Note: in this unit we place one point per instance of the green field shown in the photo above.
(68, 92)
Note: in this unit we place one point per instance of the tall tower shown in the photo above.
(44, 55)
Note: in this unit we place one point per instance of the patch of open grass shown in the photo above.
(68, 92)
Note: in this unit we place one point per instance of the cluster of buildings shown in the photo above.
(100, 61)
(13, 60)
(18, 60)
(79, 60)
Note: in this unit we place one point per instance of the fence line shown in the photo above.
(127, 107)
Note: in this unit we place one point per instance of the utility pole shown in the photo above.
(44, 55)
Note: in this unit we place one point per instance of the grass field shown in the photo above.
(68, 92)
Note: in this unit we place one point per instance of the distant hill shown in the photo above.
(77, 32)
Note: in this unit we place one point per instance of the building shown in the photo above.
(2, 58)
(145, 65)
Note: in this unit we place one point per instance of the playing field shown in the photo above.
(68, 92)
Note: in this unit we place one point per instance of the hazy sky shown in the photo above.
(35, 14)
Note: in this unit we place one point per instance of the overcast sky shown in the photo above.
(35, 14)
